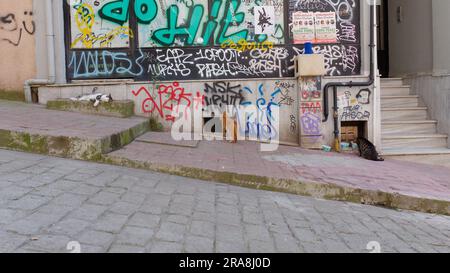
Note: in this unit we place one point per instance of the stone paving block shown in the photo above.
(197, 244)
(134, 197)
(86, 190)
(110, 222)
(118, 248)
(9, 215)
(257, 232)
(70, 199)
(179, 219)
(49, 243)
(228, 233)
(13, 193)
(10, 241)
(88, 212)
(261, 246)
(230, 247)
(29, 202)
(96, 238)
(69, 227)
(65, 185)
(124, 208)
(33, 223)
(170, 232)
(144, 220)
(104, 198)
(135, 236)
(165, 247)
(202, 228)
(286, 243)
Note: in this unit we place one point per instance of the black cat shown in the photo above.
(367, 150)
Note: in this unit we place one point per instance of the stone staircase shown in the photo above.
(407, 132)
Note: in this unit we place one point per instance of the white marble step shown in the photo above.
(414, 141)
(403, 113)
(399, 101)
(403, 90)
(409, 151)
(391, 82)
(409, 127)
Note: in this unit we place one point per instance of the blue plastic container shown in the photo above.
(309, 48)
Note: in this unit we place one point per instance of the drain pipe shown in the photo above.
(335, 85)
(50, 43)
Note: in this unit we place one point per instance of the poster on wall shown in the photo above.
(325, 24)
(303, 27)
(264, 20)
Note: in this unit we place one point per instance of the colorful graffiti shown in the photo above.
(85, 21)
(198, 39)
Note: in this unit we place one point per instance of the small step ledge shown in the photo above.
(118, 109)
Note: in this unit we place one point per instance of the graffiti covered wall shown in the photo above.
(175, 40)
(17, 44)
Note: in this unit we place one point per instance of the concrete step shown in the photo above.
(411, 151)
(404, 90)
(391, 82)
(399, 101)
(432, 156)
(404, 114)
(32, 128)
(409, 127)
(414, 141)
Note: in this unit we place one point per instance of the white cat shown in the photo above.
(94, 98)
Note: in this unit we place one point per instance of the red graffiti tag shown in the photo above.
(169, 98)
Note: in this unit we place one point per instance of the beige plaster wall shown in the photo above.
(17, 44)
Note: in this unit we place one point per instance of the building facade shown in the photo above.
(165, 53)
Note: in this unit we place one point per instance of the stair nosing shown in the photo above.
(409, 122)
(419, 136)
(415, 108)
(386, 151)
(394, 86)
(401, 97)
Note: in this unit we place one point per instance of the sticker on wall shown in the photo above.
(325, 27)
(264, 20)
(303, 27)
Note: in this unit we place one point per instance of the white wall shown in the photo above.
(411, 41)
(441, 30)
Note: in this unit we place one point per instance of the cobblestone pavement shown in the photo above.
(45, 203)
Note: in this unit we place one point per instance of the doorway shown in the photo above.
(383, 38)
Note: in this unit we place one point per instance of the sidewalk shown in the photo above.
(32, 128)
(393, 184)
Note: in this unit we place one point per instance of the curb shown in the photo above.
(312, 189)
(70, 147)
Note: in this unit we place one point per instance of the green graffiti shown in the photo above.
(146, 11)
(166, 36)
(231, 18)
(116, 11)
(211, 25)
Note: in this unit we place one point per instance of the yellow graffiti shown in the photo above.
(85, 19)
(243, 45)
